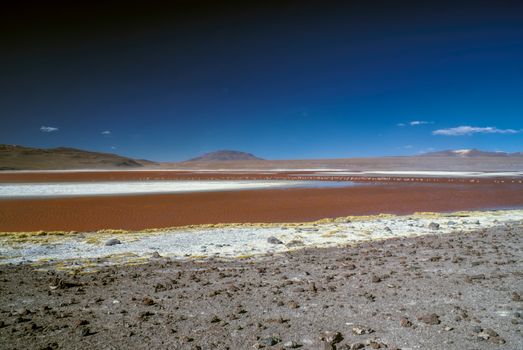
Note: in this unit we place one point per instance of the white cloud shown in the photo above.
(106, 132)
(469, 130)
(419, 122)
(415, 123)
(48, 129)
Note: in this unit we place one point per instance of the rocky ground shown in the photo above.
(447, 291)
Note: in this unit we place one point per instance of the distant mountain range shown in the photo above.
(224, 155)
(13, 157)
(470, 153)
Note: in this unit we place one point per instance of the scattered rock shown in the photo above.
(291, 345)
(405, 322)
(434, 226)
(84, 332)
(359, 330)
(112, 241)
(144, 315)
(268, 341)
(430, 319)
(79, 323)
(58, 283)
(373, 344)
(476, 329)
(293, 305)
(148, 301)
(331, 337)
(156, 255)
(516, 296)
(274, 240)
(375, 279)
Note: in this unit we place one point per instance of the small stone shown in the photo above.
(490, 332)
(376, 345)
(434, 226)
(448, 329)
(23, 312)
(405, 322)
(148, 301)
(376, 279)
(483, 335)
(497, 340)
(156, 255)
(268, 341)
(112, 241)
(291, 345)
(79, 323)
(293, 305)
(84, 332)
(359, 330)
(274, 240)
(357, 346)
(58, 283)
(516, 297)
(144, 315)
(215, 319)
(476, 329)
(430, 319)
(331, 337)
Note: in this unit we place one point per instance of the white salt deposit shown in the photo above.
(229, 241)
(430, 173)
(136, 187)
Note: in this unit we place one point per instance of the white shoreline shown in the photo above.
(232, 241)
(70, 189)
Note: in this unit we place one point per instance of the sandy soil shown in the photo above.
(156, 211)
(454, 291)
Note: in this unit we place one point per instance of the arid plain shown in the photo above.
(397, 253)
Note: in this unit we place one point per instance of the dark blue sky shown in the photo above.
(278, 79)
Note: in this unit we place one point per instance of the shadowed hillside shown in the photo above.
(13, 157)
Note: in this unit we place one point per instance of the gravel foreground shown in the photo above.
(447, 291)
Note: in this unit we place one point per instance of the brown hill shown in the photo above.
(13, 157)
(224, 155)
